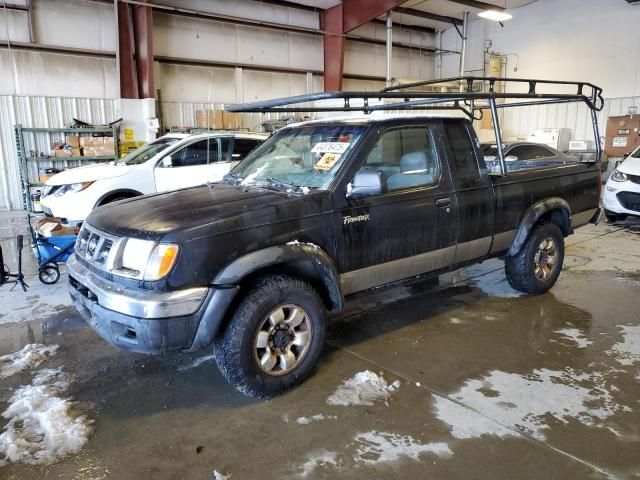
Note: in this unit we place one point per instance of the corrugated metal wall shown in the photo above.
(47, 112)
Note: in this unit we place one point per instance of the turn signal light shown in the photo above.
(161, 261)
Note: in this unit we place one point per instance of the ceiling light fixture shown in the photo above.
(495, 15)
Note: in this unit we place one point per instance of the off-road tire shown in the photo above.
(520, 268)
(235, 349)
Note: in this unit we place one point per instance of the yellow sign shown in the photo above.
(128, 134)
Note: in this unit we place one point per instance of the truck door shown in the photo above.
(474, 191)
(410, 228)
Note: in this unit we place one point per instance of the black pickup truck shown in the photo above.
(320, 211)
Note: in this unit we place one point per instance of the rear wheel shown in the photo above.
(274, 338)
(536, 267)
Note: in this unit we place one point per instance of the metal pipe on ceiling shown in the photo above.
(463, 49)
(389, 47)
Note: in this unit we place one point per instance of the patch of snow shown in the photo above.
(304, 190)
(318, 459)
(527, 403)
(364, 388)
(455, 321)
(380, 447)
(285, 418)
(250, 179)
(196, 363)
(575, 336)
(316, 418)
(30, 356)
(418, 384)
(42, 425)
(627, 352)
(218, 476)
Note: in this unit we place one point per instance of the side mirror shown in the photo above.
(367, 183)
(511, 158)
(626, 155)
(167, 162)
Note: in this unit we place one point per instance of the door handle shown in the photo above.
(443, 202)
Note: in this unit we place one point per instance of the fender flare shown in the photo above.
(532, 216)
(323, 264)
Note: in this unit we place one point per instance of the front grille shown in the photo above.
(634, 178)
(96, 247)
(630, 200)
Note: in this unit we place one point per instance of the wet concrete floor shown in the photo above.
(493, 385)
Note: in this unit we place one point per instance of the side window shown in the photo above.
(464, 157)
(541, 152)
(197, 153)
(406, 157)
(225, 142)
(521, 153)
(242, 147)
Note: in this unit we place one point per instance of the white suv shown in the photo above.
(621, 195)
(168, 163)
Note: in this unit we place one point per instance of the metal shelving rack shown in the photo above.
(24, 157)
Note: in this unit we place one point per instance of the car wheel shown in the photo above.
(274, 337)
(536, 267)
(613, 217)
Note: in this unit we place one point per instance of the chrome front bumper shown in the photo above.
(134, 302)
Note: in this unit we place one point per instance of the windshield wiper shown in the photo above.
(234, 178)
(283, 184)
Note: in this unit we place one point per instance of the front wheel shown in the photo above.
(536, 267)
(274, 338)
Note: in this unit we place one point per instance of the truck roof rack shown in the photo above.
(471, 95)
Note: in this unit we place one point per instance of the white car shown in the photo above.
(622, 192)
(168, 163)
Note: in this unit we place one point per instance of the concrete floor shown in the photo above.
(494, 385)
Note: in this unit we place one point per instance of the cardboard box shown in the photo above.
(98, 141)
(72, 141)
(86, 141)
(109, 142)
(209, 119)
(45, 176)
(53, 227)
(61, 153)
(230, 120)
(623, 135)
(89, 151)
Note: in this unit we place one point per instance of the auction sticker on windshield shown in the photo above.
(331, 147)
(327, 161)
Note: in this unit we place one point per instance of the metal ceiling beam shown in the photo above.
(428, 16)
(13, 6)
(359, 12)
(479, 5)
(415, 28)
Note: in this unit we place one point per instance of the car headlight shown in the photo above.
(147, 260)
(619, 176)
(71, 188)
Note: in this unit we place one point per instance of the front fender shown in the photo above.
(533, 215)
(323, 264)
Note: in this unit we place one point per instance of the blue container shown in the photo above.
(58, 244)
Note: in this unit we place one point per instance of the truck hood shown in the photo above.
(206, 210)
(89, 173)
(631, 165)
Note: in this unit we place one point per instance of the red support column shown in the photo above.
(143, 35)
(331, 23)
(128, 83)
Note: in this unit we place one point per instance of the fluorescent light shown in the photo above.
(496, 15)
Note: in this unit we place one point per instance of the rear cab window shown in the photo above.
(463, 152)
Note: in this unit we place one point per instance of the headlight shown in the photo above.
(71, 188)
(147, 260)
(618, 176)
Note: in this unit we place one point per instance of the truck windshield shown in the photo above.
(144, 153)
(298, 159)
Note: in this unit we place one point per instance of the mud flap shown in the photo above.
(597, 217)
